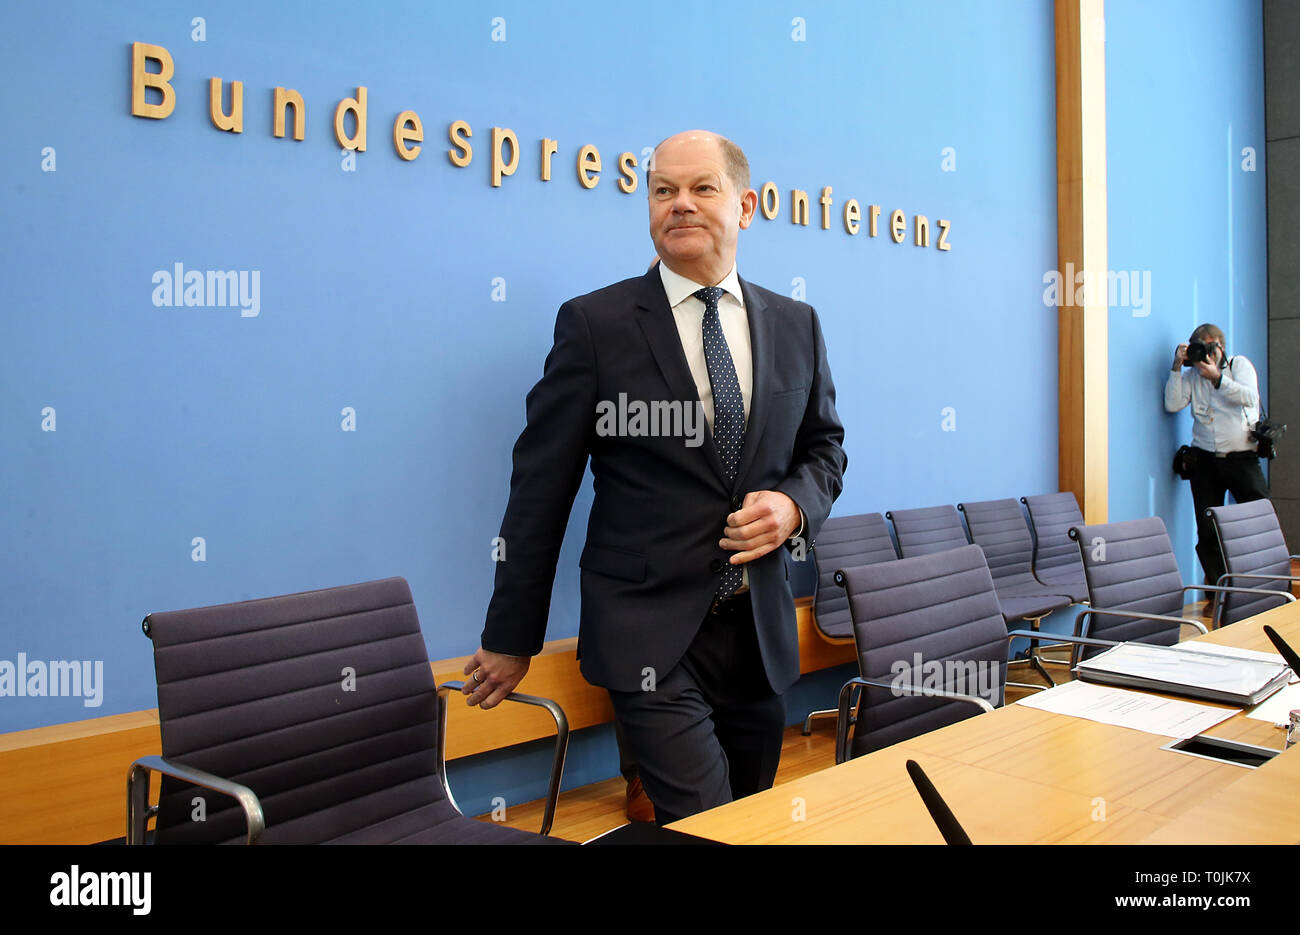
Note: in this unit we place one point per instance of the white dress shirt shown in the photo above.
(1223, 417)
(688, 311)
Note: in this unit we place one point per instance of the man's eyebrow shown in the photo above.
(707, 175)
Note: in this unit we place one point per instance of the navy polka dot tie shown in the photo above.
(728, 409)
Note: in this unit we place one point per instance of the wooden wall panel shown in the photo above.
(1082, 351)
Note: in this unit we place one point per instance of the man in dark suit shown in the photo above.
(687, 616)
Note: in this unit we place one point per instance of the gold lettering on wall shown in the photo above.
(459, 133)
(402, 134)
(234, 120)
(153, 95)
(501, 136)
(283, 100)
(944, 227)
(588, 166)
(357, 107)
(798, 207)
(549, 149)
(898, 225)
(626, 165)
(852, 214)
(141, 79)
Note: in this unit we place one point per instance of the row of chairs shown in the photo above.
(944, 608)
(314, 717)
(1033, 574)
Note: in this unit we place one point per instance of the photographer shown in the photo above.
(1224, 395)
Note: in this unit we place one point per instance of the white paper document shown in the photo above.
(1123, 708)
(1276, 708)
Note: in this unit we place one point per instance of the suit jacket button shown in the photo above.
(716, 565)
(736, 503)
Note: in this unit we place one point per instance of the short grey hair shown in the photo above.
(732, 155)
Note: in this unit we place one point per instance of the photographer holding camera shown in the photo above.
(1224, 394)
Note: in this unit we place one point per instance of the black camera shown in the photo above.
(1267, 433)
(1198, 351)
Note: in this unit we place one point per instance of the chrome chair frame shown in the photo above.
(139, 811)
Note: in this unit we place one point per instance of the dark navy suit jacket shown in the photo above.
(652, 562)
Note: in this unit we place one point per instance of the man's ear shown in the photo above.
(748, 205)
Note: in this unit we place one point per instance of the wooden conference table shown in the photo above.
(1019, 775)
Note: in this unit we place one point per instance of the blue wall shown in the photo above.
(377, 284)
(1184, 98)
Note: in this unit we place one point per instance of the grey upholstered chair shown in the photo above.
(1134, 584)
(918, 623)
(927, 530)
(306, 718)
(844, 541)
(1056, 558)
(999, 528)
(1255, 556)
(910, 616)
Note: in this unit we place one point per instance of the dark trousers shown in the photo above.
(711, 729)
(1239, 474)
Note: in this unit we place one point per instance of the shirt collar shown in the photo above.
(679, 288)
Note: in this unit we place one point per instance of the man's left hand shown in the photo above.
(765, 520)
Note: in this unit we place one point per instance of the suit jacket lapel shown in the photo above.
(761, 347)
(660, 330)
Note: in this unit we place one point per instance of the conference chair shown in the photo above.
(920, 623)
(909, 617)
(999, 528)
(861, 539)
(1056, 557)
(1134, 585)
(927, 530)
(1253, 552)
(307, 718)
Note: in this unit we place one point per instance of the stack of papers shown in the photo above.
(1235, 677)
(1167, 717)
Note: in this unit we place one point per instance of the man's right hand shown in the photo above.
(492, 676)
(1180, 356)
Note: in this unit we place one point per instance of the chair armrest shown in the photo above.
(1232, 590)
(1134, 615)
(1227, 576)
(1287, 596)
(557, 760)
(842, 719)
(1063, 638)
(137, 795)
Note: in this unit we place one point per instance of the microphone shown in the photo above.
(1284, 648)
(949, 827)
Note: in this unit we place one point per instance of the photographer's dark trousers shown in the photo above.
(1238, 473)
